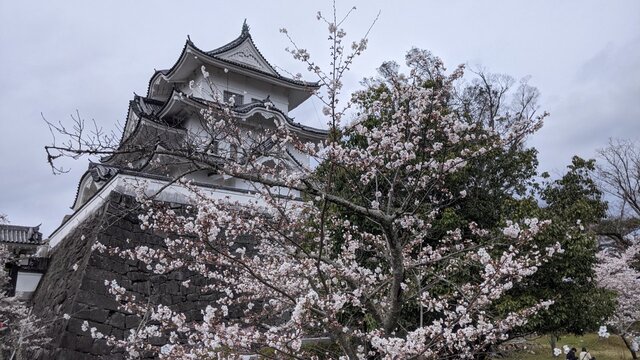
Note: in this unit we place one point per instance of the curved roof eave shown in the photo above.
(136, 110)
(143, 118)
(178, 96)
(305, 130)
(166, 71)
(175, 97)
(82, 179)
(210, 58)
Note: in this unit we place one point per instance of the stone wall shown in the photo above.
(82, 293)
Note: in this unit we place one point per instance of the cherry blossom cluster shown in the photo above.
(619, 273)
(20, 331)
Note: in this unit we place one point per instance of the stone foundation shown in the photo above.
(83, 295)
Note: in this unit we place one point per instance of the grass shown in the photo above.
(603, 349)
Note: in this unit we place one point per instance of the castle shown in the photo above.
(105, 210)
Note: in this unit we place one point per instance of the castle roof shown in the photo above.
(240, 56)
(15, 234)
(246, 36)
(159, 112)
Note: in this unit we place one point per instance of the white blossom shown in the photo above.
(603, 332)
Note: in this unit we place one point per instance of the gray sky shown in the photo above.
(57, 57)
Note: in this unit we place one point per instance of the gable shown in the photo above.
(247, 54)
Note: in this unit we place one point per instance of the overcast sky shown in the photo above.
(59, 57)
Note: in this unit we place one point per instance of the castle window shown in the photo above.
(239, 99)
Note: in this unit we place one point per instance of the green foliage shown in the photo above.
(574, 205)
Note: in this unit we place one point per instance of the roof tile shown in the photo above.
(20, 234)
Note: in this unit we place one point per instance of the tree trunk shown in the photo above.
(634, 356)
(553, 341)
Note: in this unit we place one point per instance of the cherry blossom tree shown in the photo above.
(500, 184)
(343, 253)
(616, 272)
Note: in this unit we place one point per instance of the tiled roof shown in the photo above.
(244, 35)
(146, 106)
(245, 108)
(20, 234)
(143, 107)
(263, 104)
(100, 172)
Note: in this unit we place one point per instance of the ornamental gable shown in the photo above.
(247, 54)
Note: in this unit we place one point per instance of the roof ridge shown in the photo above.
(213, 55)
(245, 27)
(19, 227)
(244, 34)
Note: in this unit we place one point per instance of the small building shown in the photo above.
(28, 267)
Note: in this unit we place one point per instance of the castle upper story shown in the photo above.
(237, 68)
(170, 115)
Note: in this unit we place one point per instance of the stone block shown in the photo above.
(117, 320)
(173, 288)
(199, 281)
(131, 321)
(165, 299)
(65, 354)
(84, 343)
(98, 300)
(178, 299)
(68, 341)
(133, 263)
(137, 276)
(177, 275)
(125, 283)
(141, 287)
(99, 274)
(74, 326)
(158, 341)
(93, 314)
(117, 333)
(98, 315)
(95, 286)
(100, 347)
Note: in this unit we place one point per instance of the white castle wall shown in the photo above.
(236, 83)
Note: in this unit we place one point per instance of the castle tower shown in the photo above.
(105, 211)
